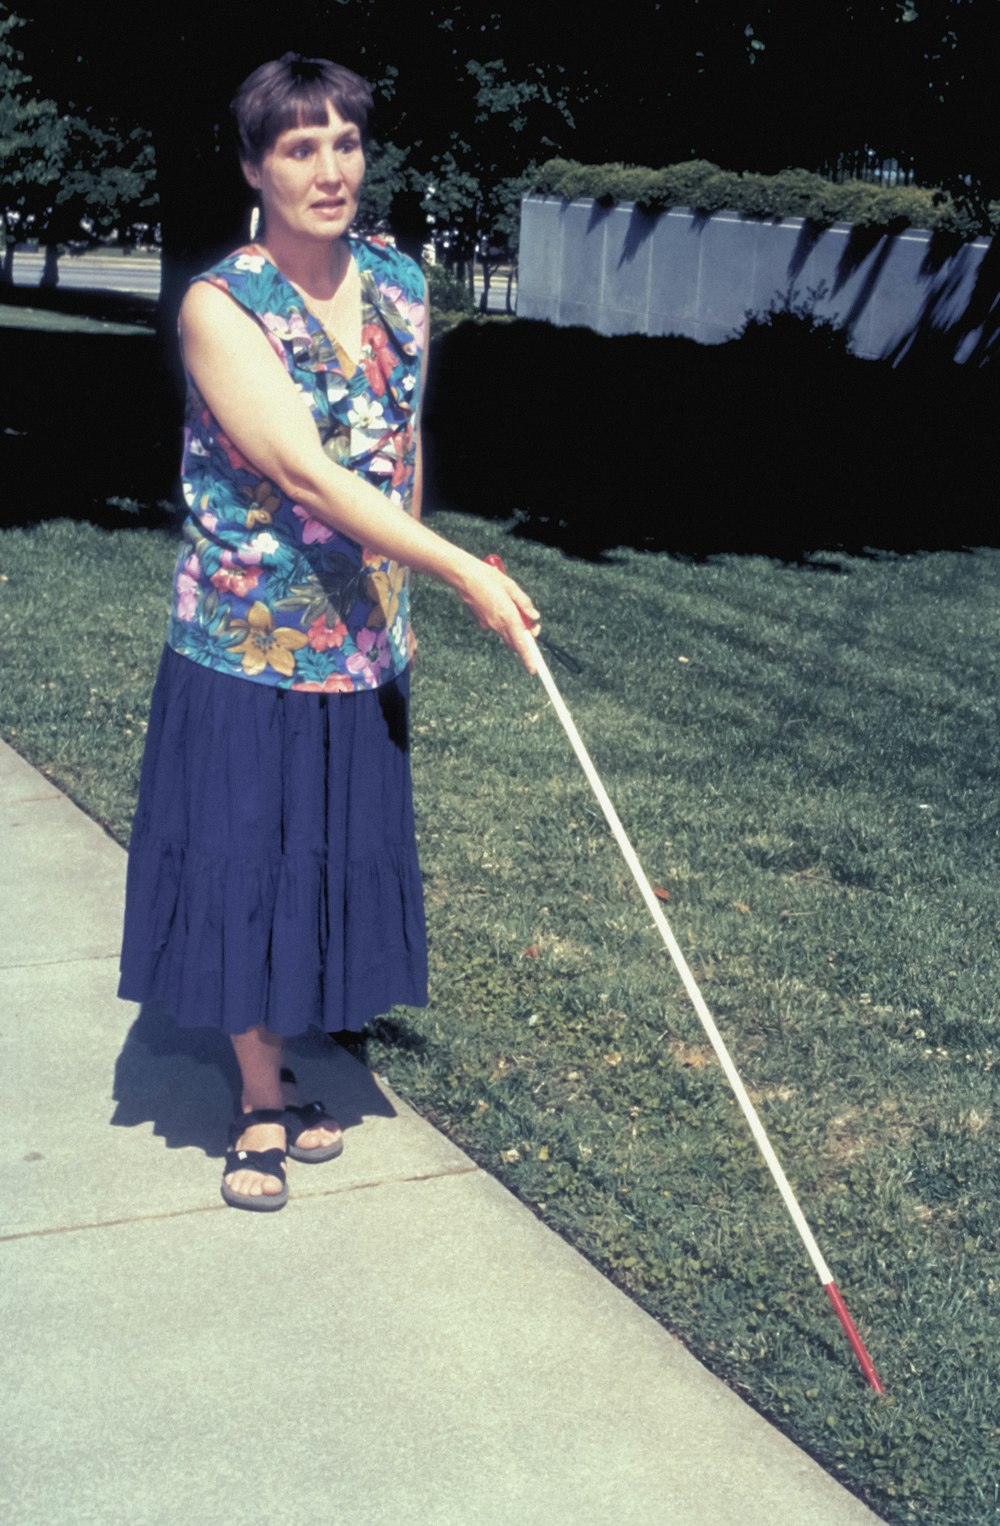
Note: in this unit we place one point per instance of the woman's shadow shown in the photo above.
(185, 1081)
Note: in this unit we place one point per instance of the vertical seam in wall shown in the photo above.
(561, 266)
(649, 279)
(754, 263)
(698, 316)
(601, 314)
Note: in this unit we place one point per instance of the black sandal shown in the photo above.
(299, 1118)
(267, 1162)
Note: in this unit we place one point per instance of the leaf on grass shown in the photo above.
(660, 893)
(510, 1157)
(543, 1152)
(690, 1055)
(614, 1058)
(531, 952)
(741, 906)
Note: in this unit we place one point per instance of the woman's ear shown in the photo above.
(251, 174)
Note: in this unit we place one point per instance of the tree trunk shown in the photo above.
(203, 209)
(50, 268)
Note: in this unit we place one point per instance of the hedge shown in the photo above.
(704, 187)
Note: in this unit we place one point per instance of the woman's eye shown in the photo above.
(302, 150)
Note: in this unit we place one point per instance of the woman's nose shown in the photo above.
(329, 164)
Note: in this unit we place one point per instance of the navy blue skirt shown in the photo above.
(272, 874)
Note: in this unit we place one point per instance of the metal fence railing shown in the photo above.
(868, 164)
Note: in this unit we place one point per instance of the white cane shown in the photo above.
(705, 1016)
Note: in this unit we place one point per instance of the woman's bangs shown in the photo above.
(308, 107)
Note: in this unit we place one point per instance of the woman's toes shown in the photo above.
(319, 1138)
(252, 1184)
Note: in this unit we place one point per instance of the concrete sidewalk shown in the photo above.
(404, 1343)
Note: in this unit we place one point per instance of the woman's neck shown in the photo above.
(316, 268)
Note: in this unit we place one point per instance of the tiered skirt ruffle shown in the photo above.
(273, 875)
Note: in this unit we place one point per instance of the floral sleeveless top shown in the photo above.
(263, 590)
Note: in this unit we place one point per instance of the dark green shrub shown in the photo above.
(447, 290)
(451, 299)
(792, 327)
(704, 187)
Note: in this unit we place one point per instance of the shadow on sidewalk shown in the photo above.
(185, 1082)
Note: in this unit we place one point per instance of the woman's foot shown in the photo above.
(313, 1134)
(246, 1180)
(258, 1180)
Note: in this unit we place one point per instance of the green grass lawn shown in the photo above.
(64, 323)
(806, 760)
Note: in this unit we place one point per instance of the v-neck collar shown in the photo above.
(345, 363)
(326, 353)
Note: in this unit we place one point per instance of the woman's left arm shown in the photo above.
(418, 469)
(417, 501)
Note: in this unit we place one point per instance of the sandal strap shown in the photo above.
(258, 1115)
(266, 1162)
(307, 1109)
(300, 1117)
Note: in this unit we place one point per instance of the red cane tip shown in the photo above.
(867, 1365)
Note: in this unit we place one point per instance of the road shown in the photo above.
(139, 274)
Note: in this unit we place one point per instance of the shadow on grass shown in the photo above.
(90, 425)
(392, 1032)
(72, 301)
(776, 443)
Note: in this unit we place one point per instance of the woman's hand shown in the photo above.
(501, 605)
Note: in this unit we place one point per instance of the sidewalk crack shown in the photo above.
(221, 1207)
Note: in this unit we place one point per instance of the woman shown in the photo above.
(273, 882)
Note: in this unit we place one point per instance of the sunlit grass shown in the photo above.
(806, 761)
(64, 323)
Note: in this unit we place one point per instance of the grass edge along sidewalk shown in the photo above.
(804, 760)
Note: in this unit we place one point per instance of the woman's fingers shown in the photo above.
(502, 606)
(528, 622)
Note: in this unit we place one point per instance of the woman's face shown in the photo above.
(309, 180)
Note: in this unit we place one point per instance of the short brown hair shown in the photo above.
(292, 91)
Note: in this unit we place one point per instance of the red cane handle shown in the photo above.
(493, 560)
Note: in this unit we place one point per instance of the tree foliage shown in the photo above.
(471, 99)
(63, 173)
(30, 135)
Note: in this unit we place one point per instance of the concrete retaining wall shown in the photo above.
(622, 271)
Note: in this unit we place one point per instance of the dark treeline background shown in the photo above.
(474, 92)
(779, 441)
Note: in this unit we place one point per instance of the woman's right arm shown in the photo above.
(248, 390)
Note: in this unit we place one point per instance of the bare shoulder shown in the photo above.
(206, 309)
(215, 329)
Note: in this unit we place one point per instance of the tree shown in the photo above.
(469, 96)
(60, 172)
(30, 141)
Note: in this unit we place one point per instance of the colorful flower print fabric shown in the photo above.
(264, 590)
